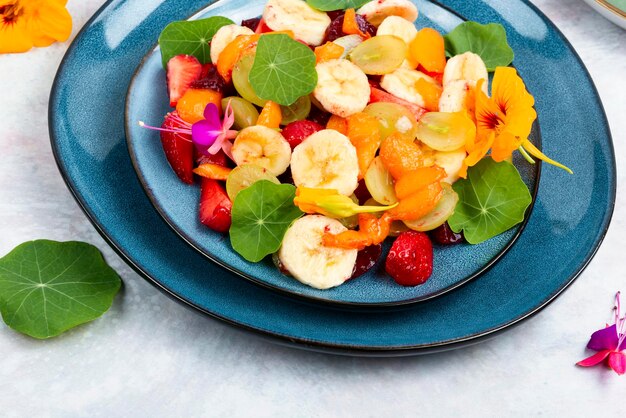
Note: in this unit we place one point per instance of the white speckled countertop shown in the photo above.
(149, 356)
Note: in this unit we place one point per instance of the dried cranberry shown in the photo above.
(334, 14)
(251, 24)
(444, 235)
(318, 116)
(366, 259)
(335, 29)
(212, 80)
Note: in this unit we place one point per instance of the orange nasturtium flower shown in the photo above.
(330, 203)
(28, 23)
(504, 120)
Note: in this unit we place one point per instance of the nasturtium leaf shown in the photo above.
(190, 37)
(492, 200)
(328, 5)
(488, 41)
(283, 69)
(48, 287)
(261, 215)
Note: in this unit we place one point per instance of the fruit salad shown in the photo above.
(323, 128)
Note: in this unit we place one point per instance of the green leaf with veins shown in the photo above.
(190, 37)
(283, 69)
(492, 200)
(329, 5)
(488, 41)
(261, 214)
(48, 287)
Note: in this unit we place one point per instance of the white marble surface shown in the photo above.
(151, 357)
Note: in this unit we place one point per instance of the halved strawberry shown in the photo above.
(182, 70)
(178, 148)
(262, 27)
(298, 131)
(215, 206)
(378, 95)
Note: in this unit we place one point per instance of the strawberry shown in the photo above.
(215, 206)
(220, 158)
(298, 131)
(410, 259)
(178, 148)
(182, 70)
(262, 27)
(378, 95)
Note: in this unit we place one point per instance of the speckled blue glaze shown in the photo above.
(147, 101)
(568, 222)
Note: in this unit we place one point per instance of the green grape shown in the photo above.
(298, 110)
(380, 183)
(393, 117)
(245, 113)
(381, 54)
(243, 176)
(241, 71)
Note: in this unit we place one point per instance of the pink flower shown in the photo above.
(210, 135)
(610, 343)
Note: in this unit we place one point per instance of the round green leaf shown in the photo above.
(283, 69)
(488, 41)
(48, 287)
(492, 200)
(190, 37)
(261, 214)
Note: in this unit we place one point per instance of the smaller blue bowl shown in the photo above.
(178, 202)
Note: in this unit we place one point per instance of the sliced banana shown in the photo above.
(377, 10)
(342, 87)
(310, 262)
(462, 72)
(401, 83)
(397, 26)
(224, 36)
(308, 25)
(454, 95)
(451, 161)
(326, 160)
(468, 67)
(264, 147)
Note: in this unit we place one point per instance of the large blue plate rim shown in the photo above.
(355, 348)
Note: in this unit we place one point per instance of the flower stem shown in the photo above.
(525, 155)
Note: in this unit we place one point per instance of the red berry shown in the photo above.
(215, 206)
(298, 131)
(366, 259)
(361, 192)
(410, 259)
(182, 70)
(444, 235)
(178, 148)
(211, 79)
(262, 27)
(220, 158)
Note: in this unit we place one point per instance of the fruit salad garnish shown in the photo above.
(325, 127)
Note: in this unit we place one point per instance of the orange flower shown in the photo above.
(28, 23)
(504, 120)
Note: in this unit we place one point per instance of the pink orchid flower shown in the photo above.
(610, 343)
(209, 135)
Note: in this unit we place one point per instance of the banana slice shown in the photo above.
(264, 147)
(326, 160)
(468, 67)
(377, 10)
(342, 87)
(451, 161)
(308, 25)
(397, 26)
(401, 83)
(462, 72)
(311, 263)
(224, 36)
(454, 96)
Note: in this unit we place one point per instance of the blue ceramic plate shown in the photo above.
(569, 220)
(177, 202)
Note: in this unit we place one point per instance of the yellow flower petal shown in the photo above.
(14, 37)
(49, 21)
